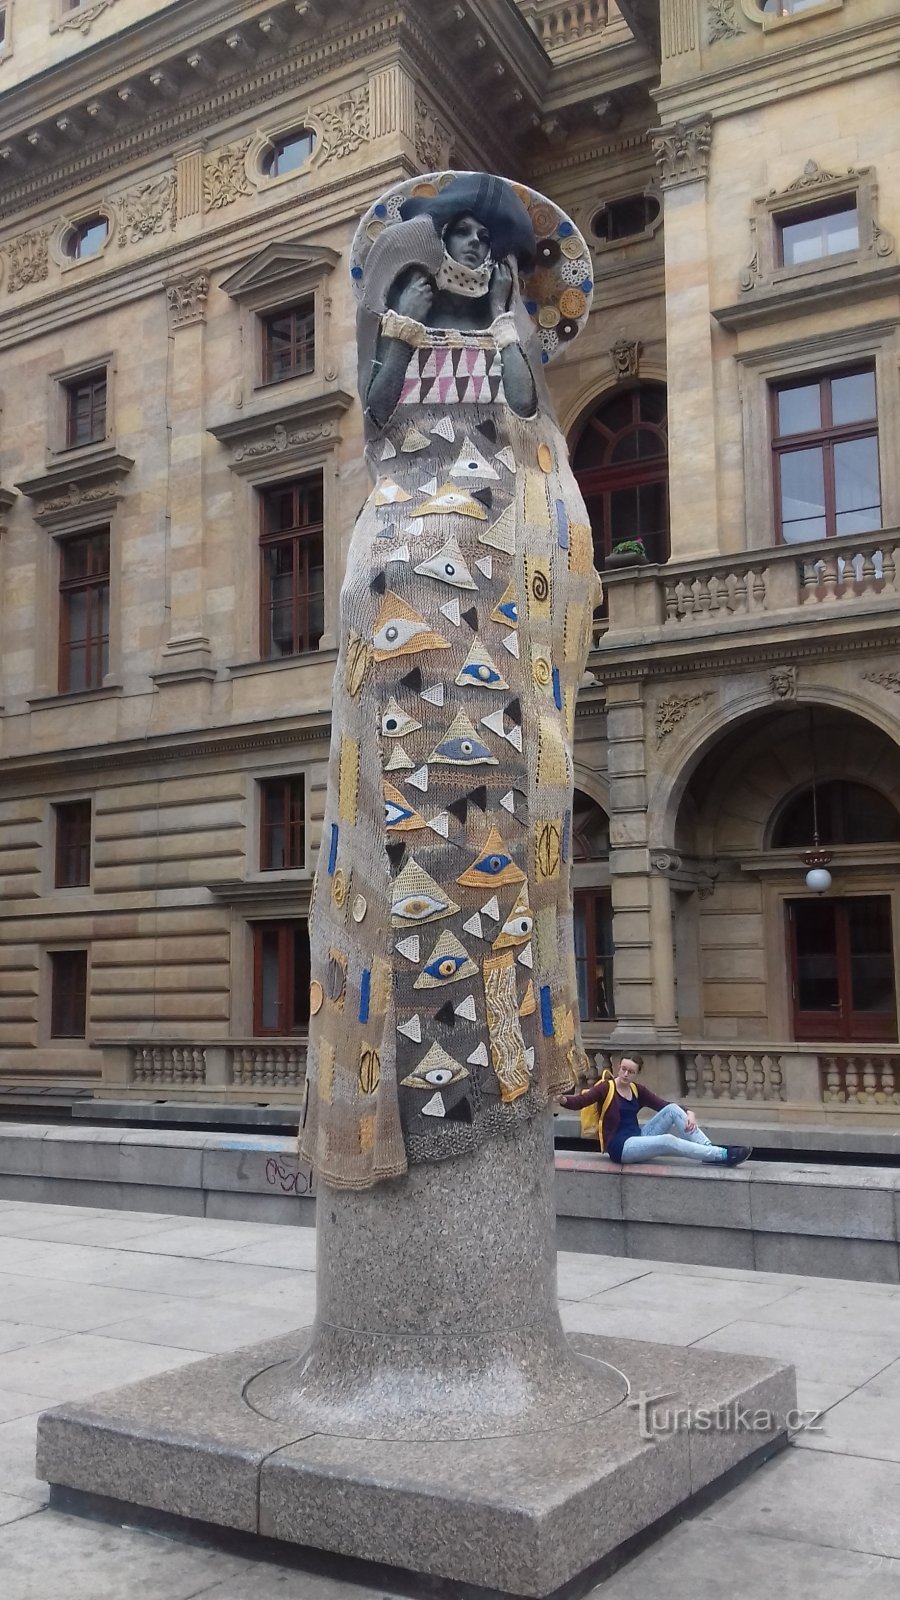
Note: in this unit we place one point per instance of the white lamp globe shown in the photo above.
(818, 879)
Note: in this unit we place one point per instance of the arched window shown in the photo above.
(288, 153)
(849, 813)
(86, 238)
(621, 464)
(592, 914)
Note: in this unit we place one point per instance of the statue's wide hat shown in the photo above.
(556, 276)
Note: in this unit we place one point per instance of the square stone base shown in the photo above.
(540, 1515)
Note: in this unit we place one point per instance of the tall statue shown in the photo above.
(443, 1001)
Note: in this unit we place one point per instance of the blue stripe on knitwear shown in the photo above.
(546, 1011)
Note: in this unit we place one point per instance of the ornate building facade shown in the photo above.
(180, 466)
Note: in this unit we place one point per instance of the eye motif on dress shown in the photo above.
(462, 747)
(448, 566)
(417, 898)
(480, 670)
(398, 816)
(492, 866)
(436, 1070)
(402, 631)
(507, 608)
(448, 963)
(518, 927)
(395, 722)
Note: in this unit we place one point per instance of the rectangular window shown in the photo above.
(289, 343)
(817, 231)
(825, 445)
(84, 611)
(282, 823)
(68, 994)
(73, 844)
(86, 410)
(280, 978)
(842, 961)
(592, 916)
(292, 551)
(2, 26)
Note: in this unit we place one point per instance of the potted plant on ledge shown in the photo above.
(628, 553)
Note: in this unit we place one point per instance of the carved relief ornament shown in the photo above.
(673, 709)
(344, 122)
(625, 356)
(681, 151)
(28, 259)
(783, 683)
(147, 209)
(225, 175)
(722, 21)
(82, 19)
(432, 139)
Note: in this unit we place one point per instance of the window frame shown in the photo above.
(267, 147)
(825, 438)
(584, 902)
(92, 381)
(292, 310)
(650, 192)
(94, 579)
(74, 226)
(296, 831)
(55, 959)
(814, 212)
(82, 846)
(287, 996)
(301, 537)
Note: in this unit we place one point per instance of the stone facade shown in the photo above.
(696, 729)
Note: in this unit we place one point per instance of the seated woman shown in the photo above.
(671, 1132)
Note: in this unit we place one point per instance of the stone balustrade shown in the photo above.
(733, 1075)
(751, 586)
(212, 1070)
(863, 1078)
(559, 24)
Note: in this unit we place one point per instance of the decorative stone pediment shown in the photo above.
(285, 264)
(75, 491)
(284, 434)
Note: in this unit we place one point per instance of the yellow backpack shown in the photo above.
(592, 1115)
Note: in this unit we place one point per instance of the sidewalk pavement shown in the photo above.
(91, 1299)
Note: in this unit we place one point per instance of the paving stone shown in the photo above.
(860, 1425)
(87, 1363)
(296, 1248)
(14, 1506)
(701, 1562)
(819, 1499)
(824, 1308)
(19, 1403)
(683, 1326)
(96, 1562)
(667, 1291)
(20, 1335)
(214, 1325)
(579, 1276)
(819, 1353)
(17, 1475)
(886, 1383)
(74, 1307)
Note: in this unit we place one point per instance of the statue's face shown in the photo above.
(468, 241)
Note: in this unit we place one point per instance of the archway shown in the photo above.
(759, 955)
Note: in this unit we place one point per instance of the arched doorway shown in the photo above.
(592, 909)
(620, 460)
(759, 955)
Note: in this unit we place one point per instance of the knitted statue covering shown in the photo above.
(443, 1004)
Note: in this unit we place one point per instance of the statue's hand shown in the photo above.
(416, 298)
(500, 289)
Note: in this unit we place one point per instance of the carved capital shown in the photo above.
(665, 861)
(681, 151)
(186, 300)
(625, 356)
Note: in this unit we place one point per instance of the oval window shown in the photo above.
(288, 153)
(86, 238)
(625, 218)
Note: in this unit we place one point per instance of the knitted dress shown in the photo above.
(443, 998)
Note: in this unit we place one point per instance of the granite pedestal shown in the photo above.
(435, 1418)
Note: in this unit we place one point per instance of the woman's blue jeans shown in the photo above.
(665, 1135)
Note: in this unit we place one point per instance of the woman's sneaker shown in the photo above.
(736, 1153)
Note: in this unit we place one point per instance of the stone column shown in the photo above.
(186, 653)
(437, 1314)
(682, 153)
